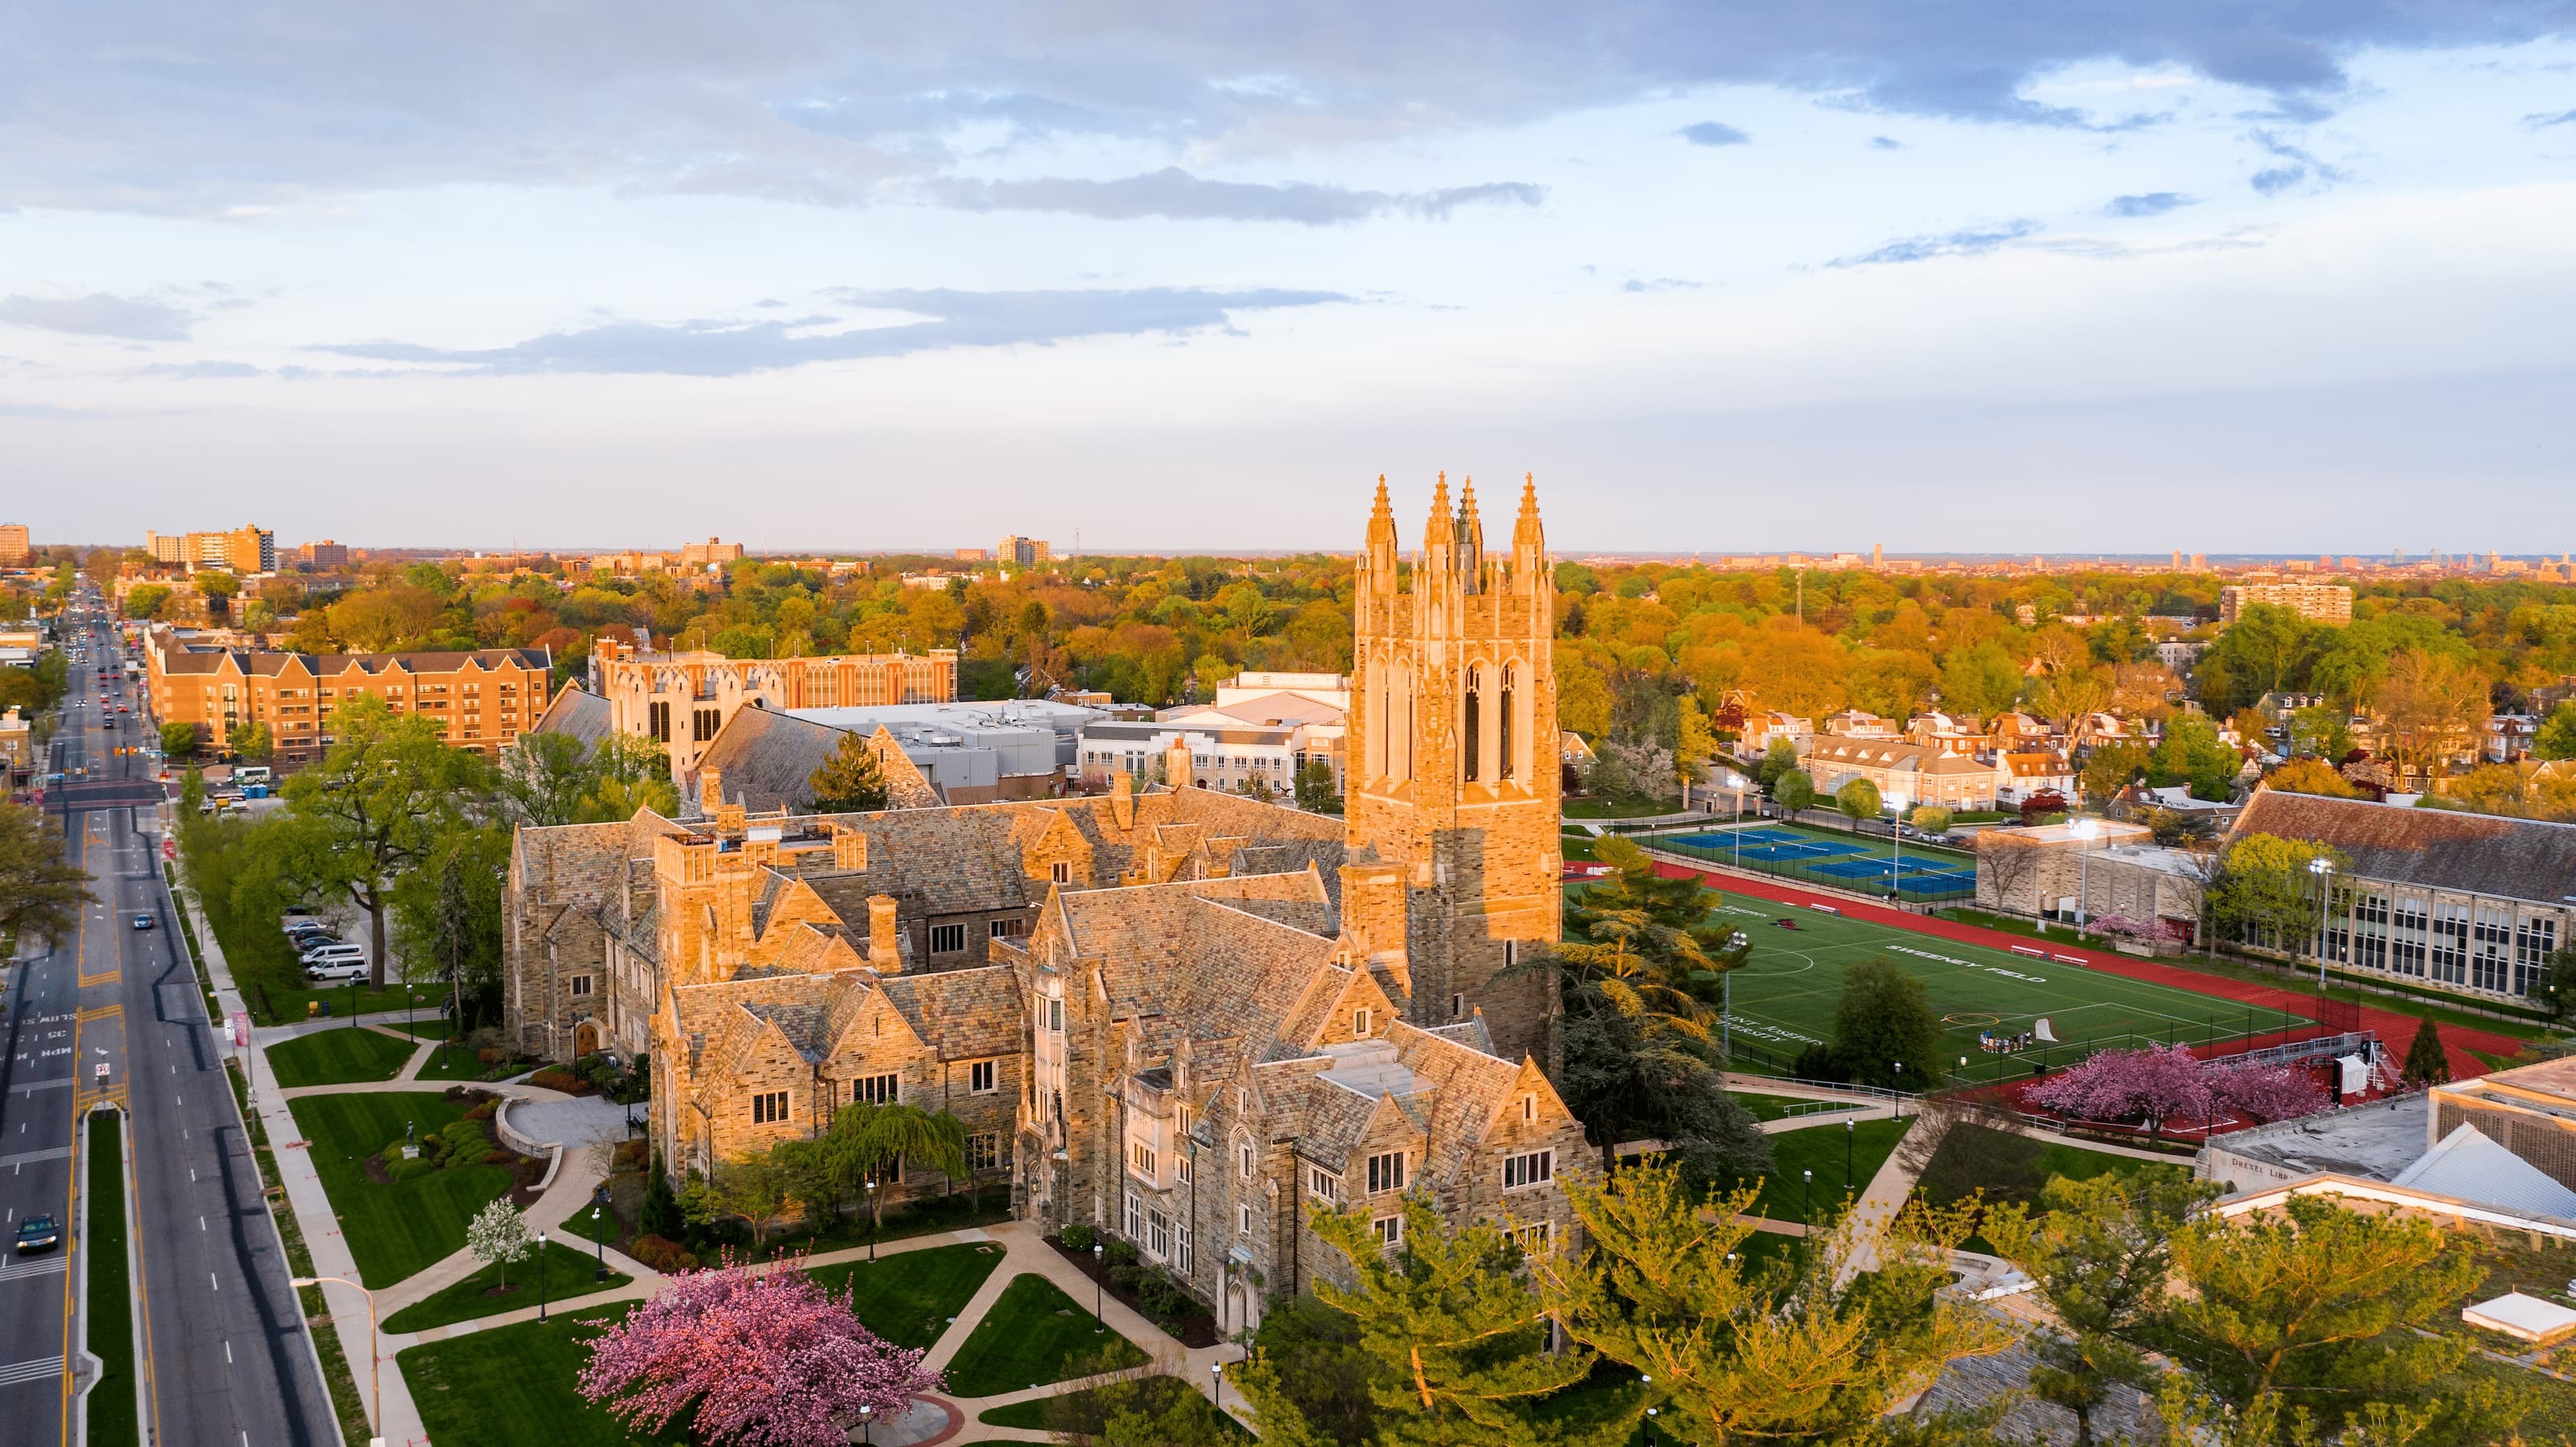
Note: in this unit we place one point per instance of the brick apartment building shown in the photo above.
(486, 697)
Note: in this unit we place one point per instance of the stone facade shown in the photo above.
(1452, 770)
(1189, 1018)
(682, 700)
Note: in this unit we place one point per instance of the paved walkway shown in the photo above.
(2394, 1029)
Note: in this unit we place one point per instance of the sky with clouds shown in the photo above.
(2002, 277)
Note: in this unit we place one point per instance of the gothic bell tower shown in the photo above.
(1453, 771)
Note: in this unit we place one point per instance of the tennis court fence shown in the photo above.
(1831, 864)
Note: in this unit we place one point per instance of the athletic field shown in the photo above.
(1863, 863)
(1784, 995)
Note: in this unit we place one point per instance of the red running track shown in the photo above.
(2395, 1030)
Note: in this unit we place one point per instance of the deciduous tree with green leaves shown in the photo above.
(2100, 1252)
(1793, 791)
(2266, 891)
(1857, 799)
(1815, 1350)
(1455, 1336)
(2321, 1309)
(369, 813)
(1885, 1031)
(41, 891)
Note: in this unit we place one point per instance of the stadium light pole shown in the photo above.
(2084, 831)
(2323, 869)
(1896, 839)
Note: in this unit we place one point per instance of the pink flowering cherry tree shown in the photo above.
(768, 1357)
(2268, 1092)
(2153, 1085)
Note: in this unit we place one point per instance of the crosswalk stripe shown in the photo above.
(29, 1158)
(40, 1266)
(34, 1371)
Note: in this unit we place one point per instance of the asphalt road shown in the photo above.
(225, 1362)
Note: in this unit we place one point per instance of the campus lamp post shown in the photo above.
(1099, 1307)
(2323, 869)
(1216, 1385)
(2084, 831)
(872, 1223)
(375, 1359)
(1847, 1157)
(867, 1423)
(600, 1273)
(541, 1276)
(1896, 839)
(1807, 1206)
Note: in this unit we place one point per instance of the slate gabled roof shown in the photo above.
(2434, 848)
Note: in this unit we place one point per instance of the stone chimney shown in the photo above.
(1122, 799)
(1176, 762)
(885, 943)
(710, 790)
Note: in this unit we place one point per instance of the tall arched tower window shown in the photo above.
(1504, 754)
(1474, 723)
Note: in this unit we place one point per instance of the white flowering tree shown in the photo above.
(498, 1234)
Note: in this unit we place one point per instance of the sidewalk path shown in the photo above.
(2394, 1029)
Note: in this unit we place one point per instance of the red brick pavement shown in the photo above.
(2395, 1030)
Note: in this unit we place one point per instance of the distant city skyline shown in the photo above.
(2010, 280)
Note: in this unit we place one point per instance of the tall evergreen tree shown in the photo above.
(850, 781)
(2427, 1063)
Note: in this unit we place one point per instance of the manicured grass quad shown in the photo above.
(1087, 1411)
(1786, 1195)
(338, 1056)
(512, 1386)
(392, 1230)
(567, 1275)
(909, 1297)
(1034, 1334)
(1786, 992)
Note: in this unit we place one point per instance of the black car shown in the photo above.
(38, 1233)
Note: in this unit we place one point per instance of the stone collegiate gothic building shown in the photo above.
(1189, 1018)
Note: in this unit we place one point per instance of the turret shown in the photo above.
(1468, 538)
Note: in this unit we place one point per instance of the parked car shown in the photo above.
(322, 946)
(38, 1233)
(336, 971)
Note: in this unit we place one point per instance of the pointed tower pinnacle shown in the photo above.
(1526, 532)
(1469, 560)
(1436, 530)
(1377, 559)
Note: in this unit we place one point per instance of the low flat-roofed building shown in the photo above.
(2374, 1142)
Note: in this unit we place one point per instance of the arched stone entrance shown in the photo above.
(585, 1039)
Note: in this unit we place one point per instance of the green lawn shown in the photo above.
(110, 1330)
(512, 1386)
(2005, 1167)
(1787, 989)
(1088, 1410)
(392, 1230)
(1776, 1107)
(1821, 1149)
(455, 1063)
(337, 1057)
(1034, 1334)
(909, 1297)
(567, 1275)
(1619, 808)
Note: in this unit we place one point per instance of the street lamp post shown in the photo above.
(1896, 840)
(375, 1358)
(541, 1276)
(2323, 869)
(872, 1223)
(2084, 831)
(867, 1423)
(1807, 1208)
(1099, 1306)
(1847, 1156)
(601, 1242)
(1216, 1384)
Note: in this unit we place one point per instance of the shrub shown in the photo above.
(632, 1155)
(485, 1111)
(491, 1055)
(551, 1078)
(400, 1170)
(662, 1254)
(1077, 1236)
(499, 1157)
(1821, 1062)
(661, 1215)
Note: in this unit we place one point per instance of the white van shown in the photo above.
(335, 970)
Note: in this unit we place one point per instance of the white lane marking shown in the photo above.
(201, 1223)
(228, 1353)
(213, 1283)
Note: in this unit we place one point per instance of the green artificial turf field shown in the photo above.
(1785, 994)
